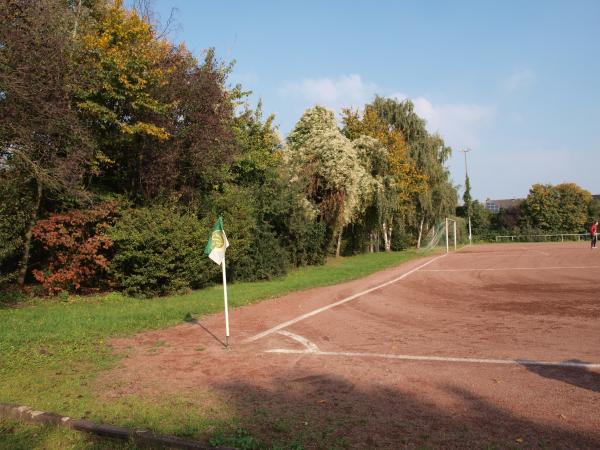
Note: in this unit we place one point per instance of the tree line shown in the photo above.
(563, 208)
(119, 148)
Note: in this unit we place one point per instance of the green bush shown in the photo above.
(158, 251)
(255, 252)
(264, 259)
(402, 240)
(306, 242)
(270, 228)
(11, 296)
(282, 206)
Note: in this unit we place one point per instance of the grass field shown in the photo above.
(52, 351)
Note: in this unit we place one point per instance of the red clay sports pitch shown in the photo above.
(494, 344)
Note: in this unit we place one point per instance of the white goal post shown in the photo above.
(447, 234)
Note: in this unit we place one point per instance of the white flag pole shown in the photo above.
(226, 307)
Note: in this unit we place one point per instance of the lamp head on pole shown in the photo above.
(465, 151)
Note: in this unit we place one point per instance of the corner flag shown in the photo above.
(217, 243)
(215, 250)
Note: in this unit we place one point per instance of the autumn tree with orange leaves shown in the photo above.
(400, 176)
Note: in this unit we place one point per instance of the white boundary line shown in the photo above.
(520, 362)
(513, 268)
(309, 346)
(333, 305)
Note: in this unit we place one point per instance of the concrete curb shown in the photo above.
(139, 436)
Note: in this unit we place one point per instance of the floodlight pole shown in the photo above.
(466, 176)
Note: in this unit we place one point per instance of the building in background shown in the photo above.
(496, 205)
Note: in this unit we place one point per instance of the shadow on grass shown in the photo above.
(322, 411)
(576, 376)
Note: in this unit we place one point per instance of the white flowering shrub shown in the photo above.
(335, 180)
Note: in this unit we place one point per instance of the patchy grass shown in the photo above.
(51, 352)
(16, 435)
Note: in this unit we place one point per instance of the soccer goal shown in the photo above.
(443, 233)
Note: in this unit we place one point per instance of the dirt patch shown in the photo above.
(331, 400)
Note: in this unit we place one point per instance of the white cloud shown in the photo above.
(335, 93)
(519, 80)
(458, 123)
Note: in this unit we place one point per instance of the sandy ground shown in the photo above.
(452, 355)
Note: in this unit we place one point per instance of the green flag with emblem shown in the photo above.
(217, 243)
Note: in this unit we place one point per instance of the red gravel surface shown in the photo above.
(446, 357)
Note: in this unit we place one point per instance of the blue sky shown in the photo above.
(516, 82)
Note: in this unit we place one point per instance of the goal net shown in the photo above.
(446, 234)
(434, 237)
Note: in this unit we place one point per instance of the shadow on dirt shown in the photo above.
(577, 376)
(322, 411)
(210, 333)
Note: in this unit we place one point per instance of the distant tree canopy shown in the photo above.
(561, 208)
(117, 147)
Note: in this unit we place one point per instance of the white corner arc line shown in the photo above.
(514, 268)
(520, 362)
(308, 345)
(340, 302)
